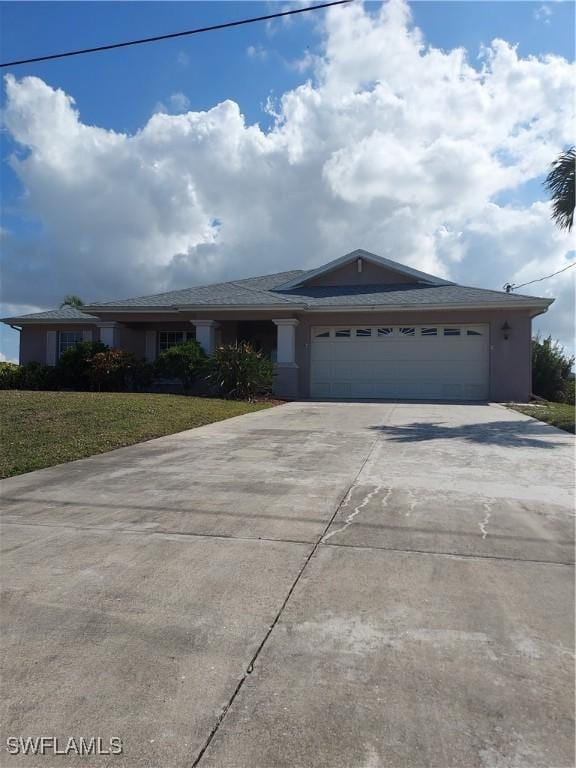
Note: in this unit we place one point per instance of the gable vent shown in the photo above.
(359, 265)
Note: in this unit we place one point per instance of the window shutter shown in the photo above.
(150, 352)
(51, 341)
(87, 335)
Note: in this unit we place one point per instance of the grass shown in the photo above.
(40, 429)
(561, 415)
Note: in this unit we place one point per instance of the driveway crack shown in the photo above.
(250, 667)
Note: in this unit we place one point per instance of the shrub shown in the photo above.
(9, 376)
(73, 366)
(551, 367)
(184, 361)
(113, 369)
(28, 376)
(241, 372)
(37, 376)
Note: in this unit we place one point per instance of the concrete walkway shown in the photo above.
(318, 585)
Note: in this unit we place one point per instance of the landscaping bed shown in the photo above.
(40, 429)
(561, 415)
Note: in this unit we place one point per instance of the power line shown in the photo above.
(509, 287)
(155, 39)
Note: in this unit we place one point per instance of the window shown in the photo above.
(167, 339)
(68, 340)
(322, 333)
(408, 331)
(385, 331)
(451, 331)
(343, 333)
(473, 332)
(429, 332)
(363, 332)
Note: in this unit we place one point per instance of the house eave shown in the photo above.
(49, 321)
(429, 308)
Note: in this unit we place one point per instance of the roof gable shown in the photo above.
(350, 270)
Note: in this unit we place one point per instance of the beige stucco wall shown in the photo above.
(371, 275)
(33, 340)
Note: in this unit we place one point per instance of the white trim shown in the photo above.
(108, 333)
(206, 334)
(286, 341)
(51, 347)
(359, 253)
(150, 346)
(286, 321)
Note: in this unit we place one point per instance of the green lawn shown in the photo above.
(39, 429)
(561, 415)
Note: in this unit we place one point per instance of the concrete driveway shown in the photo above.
(317, 585)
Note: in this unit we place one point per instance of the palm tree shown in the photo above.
(71, 300)
(560, 184)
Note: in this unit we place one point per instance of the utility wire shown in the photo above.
(509, 287)
(155, 39)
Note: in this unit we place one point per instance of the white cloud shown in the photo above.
(183, 59)
(177, 102)
(392, 145)
(257, 52)
(543, 13)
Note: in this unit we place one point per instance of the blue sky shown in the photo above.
(120, 90)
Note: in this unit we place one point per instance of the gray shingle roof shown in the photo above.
(252, 290)
(266, 291)
(64, 313)
(408, 295)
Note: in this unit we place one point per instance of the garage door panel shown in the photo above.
(397, 366)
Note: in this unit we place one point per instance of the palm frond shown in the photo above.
(560, 182)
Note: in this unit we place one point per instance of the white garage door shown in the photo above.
(429, 362)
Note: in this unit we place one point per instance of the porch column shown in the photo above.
(206, 334)
(286, 379)
(109, 334)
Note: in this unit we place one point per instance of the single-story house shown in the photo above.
(361, 326)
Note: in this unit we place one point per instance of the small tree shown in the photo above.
(551, 370)
(240, 372)
(71, 300)
(184, 361)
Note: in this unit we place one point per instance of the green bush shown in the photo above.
(37, 376)
(184, 361)
(73, 366)
(28, 376)
(9, 376)
(551, 367)
(240, 372)
(114, 370)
